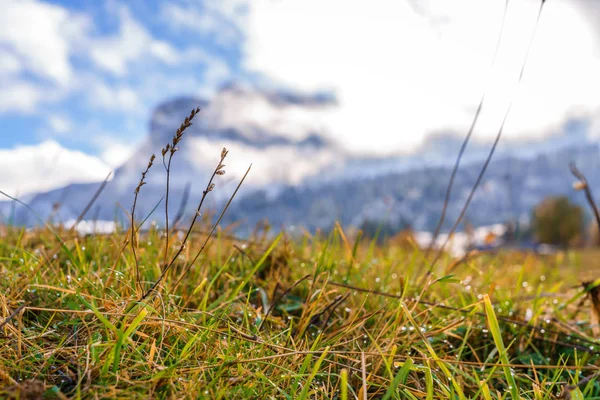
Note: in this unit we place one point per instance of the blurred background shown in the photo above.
(348, 111)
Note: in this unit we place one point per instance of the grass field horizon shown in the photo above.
(192, 311)
(322, 317)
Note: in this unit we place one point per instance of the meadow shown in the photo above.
(189, 310)
(316, 317)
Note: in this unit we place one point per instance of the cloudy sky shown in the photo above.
(79, 78)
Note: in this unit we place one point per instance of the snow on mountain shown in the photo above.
(511, 188)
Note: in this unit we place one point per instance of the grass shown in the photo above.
(197, 313)
(194, 312)
(497, 326)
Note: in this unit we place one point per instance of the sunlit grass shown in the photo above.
(208, 336)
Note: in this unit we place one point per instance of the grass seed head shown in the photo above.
(579, 185)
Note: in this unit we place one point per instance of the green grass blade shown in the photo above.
(440, 363)
(429, 383)
(399, 378)
(497, 335)
(256, 266)
(306, 388)
(344, 384)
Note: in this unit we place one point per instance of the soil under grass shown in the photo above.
(495, 326)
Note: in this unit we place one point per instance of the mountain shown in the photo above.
(301, 177)
(511, 188)
(271, 129)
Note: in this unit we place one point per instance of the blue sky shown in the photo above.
(85, 75)
(93, 70)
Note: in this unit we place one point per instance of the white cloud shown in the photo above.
(59, 123)
(41, 42)
(217, 18)
(20, 96)
(46, 166)
(251, 112)
(130, 44)
(36, 40)
(270, 166)
(40, 36)
(402, 72)
(217, 71)
(113, 98)
(115, 155)
(113, 151)
(9, 63)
